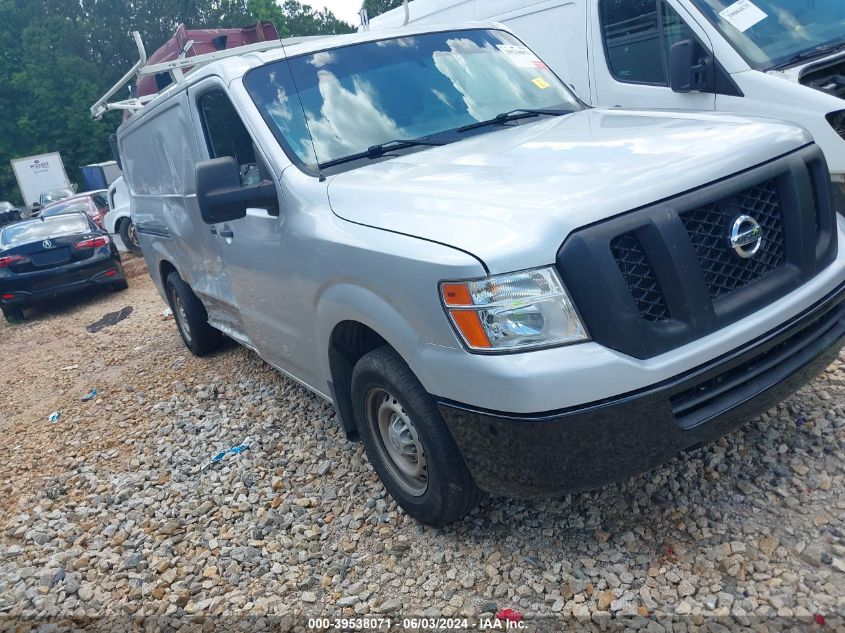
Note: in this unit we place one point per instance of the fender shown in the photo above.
(349, 302)
(156, 250)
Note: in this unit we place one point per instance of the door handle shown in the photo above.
(227, 233)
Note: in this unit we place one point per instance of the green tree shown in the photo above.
(268, 11)
(301, 20)
(377, 7)
(57, 57)
(12, 24)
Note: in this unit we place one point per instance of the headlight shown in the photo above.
(837, 122)
(838, 181)
(513, 312)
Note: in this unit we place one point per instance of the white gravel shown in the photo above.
(109, 514)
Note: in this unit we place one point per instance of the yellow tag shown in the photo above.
(541, 83)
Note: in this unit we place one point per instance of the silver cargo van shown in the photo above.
(499, 288)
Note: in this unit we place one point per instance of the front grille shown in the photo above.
(664, 275)
(709, 229)
(639, 275)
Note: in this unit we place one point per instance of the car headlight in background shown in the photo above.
(837, 122)
(838, 181)
(513, 312)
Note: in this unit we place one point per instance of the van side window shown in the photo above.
(637, 37)
(225, 133)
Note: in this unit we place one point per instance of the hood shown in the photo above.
(512, 196)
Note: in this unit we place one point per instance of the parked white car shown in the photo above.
(118, 220)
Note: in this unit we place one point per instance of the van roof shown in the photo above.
(235, 67)
(234, 63)
(432, 11)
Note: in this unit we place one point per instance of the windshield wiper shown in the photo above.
(377, 151)
(819, 51)
(513, 115)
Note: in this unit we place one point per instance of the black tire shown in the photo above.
(129, 236)
(383, 385)
(13, 315)
(191, 318)
(120, 286)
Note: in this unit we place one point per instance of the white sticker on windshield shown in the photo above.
(743, 14)
(521, 56)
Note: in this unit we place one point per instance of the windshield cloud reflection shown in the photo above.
(482, 76)
(331, 105)
(349, 119)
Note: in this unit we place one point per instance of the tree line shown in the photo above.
(58, 57)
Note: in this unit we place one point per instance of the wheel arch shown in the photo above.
(165, 267)
(353, 321)
(114, 218)
(349, 341)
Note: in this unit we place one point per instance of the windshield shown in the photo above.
(359, 96)
(34, 230)
(769, 33)
(71, 206)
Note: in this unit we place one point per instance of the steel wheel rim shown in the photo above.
(181, 318)
(397, 442)
(132, 234)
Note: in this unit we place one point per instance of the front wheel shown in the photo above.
(129, 235)
(408, 442)
(191, 317)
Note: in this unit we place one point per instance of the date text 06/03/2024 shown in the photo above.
(440, 624)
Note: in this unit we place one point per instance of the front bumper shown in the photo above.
(589, 446)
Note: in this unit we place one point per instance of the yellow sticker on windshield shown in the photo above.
(541, 83)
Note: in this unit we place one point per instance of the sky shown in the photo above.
(346, 10)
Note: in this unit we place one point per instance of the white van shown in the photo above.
(783, 59)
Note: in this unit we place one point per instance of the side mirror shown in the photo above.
(74, 187)
(689, 67)
(222, 197)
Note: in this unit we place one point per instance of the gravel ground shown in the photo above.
(108, 516)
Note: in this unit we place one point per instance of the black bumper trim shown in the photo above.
(592, 445)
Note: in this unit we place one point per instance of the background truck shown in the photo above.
(100, 175)
(37, 174)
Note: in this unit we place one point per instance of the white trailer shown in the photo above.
(37, 174)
